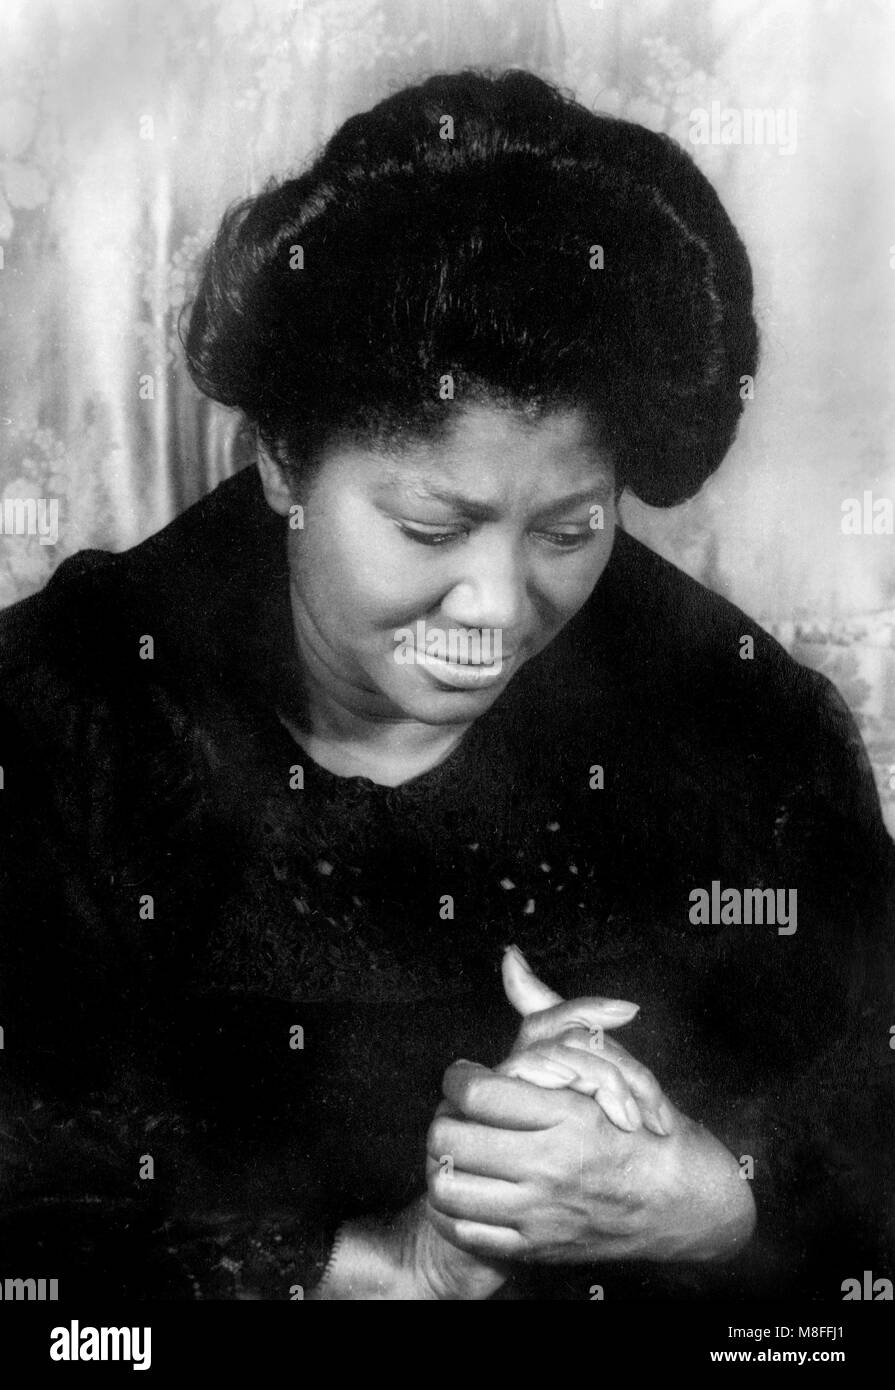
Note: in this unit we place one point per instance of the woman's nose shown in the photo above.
(489, 592)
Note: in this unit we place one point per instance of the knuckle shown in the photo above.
(462, 1083)
(528, 1031)
(612, 1080)
(436, 1139)
(646, 1077)
(439, 1185)
(471, 1092)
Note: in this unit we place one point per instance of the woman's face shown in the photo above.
(423, 579)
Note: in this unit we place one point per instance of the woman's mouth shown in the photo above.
(463, 675)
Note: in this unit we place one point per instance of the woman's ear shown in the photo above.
(274, 481)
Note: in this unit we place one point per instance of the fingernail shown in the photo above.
(633, 1112)
(619, 1006)
(617, 1111)
(464, 1061)
(665, 1117)
(568, 1073)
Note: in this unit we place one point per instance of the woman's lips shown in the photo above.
(464, 675)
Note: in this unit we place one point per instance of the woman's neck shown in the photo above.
(389, 752)
(345, 729)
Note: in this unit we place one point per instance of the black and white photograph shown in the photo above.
(447, 666)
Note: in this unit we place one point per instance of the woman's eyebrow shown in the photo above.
(601, 491)
(417, 487)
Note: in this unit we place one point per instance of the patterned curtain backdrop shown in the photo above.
(126, 126)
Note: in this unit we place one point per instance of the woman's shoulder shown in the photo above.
(114, 622)
(53, 654)
(694, 648)
(696, 680)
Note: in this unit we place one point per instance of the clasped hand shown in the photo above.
(569, 1151)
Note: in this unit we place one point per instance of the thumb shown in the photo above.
(526, 993)
(546, 1013)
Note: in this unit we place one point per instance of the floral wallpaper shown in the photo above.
(126, 128)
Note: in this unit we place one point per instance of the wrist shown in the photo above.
(402, 1258)
(366, 1263)
(446, 1272)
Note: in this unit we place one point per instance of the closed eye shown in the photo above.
(567, 540)
(426, 535)
(434, 535)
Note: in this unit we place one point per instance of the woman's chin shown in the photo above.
(426, 697)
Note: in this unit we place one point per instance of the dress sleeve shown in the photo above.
(796, 1067)
(821, 1127)
(107, 1182)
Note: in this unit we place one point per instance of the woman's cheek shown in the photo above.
(571, 589)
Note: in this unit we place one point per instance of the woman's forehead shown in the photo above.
(489, 446)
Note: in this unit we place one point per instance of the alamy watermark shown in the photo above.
(29, 1290)
(77, 1343)
(745, 125)
(462, 646)
(744, 907)
(868, 516)
(30, 516)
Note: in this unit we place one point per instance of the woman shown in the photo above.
(282, 782)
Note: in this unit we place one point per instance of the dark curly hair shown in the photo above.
(471, 255)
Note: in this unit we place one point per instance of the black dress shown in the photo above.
(231, 980)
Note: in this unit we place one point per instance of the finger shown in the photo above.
(586, 1013)
(658, 1115)
(483, 1095)
(539, 1070)
(596, 1076)
(470, 1197)
(487, 1242)
(529, 995)
(606, 1086)
(510, 1154)
(526, 993)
